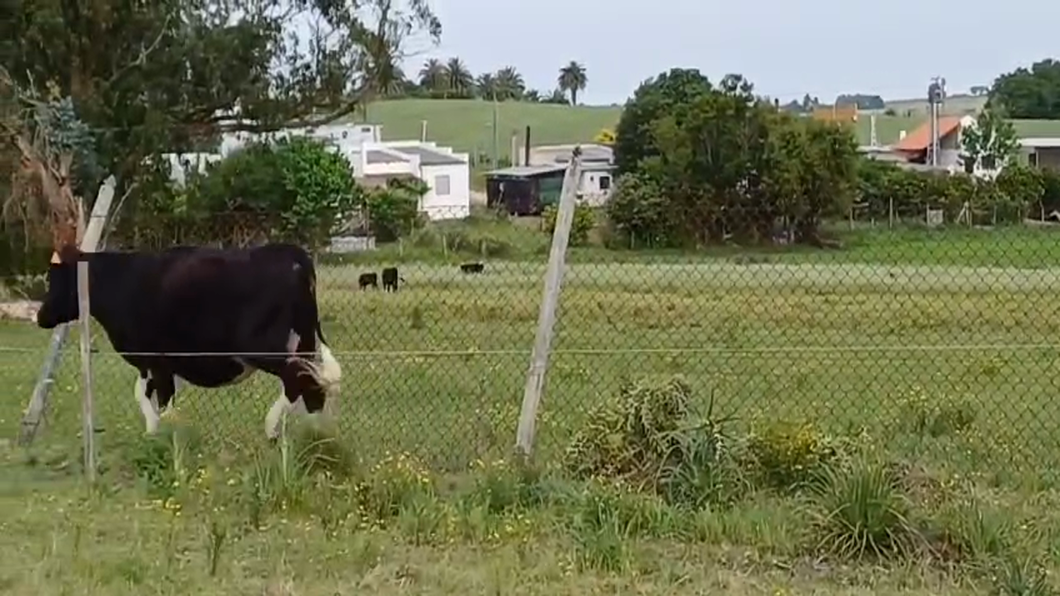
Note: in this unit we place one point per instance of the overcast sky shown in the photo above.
(824, 47)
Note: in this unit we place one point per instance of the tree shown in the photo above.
(509, 84)
(979, 90)
(459, 80)
(486, 85)
(433, 75)
(572, 79)
(172, 75)
(703, 163)
(653, 99)
(990, 144)
(532, 95)
(1033, 93)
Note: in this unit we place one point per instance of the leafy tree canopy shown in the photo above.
(172, 74)
(1030, 93)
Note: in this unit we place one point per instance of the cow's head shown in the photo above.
(60, 303)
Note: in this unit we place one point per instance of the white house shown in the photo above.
(447, 173)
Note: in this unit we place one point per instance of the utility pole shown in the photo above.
(936, 97)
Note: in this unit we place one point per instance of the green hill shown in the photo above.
(955, 104)
(466, 124)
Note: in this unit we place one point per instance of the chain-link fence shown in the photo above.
(940, 343)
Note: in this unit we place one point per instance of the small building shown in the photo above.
(594, 187)
(915, 146)
(525, 190)
(1040, 142)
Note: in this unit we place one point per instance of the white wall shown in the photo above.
(439, 204)
(589, 187)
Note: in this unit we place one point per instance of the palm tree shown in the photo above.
(572, 78)
(433, 75)
(510, 84)
(458, 78)
(486, 84)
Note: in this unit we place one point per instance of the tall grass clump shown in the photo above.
(648, 439)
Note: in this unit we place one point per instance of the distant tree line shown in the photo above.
(452, 79)
(863, 101)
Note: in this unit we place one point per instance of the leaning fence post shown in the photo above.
(546, 318)
(38, 404)
(88, 427)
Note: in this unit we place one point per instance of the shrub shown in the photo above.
(786, 455)
(300, 184)
(583, 223)
(633, 436)
(393, 210)
(647, 440)
(859, 511)
(638, 214)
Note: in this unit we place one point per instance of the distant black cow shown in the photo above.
(472, 268)
(209, 317)
(390, 279)
(368, 279)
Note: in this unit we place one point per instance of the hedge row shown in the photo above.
(886, 190)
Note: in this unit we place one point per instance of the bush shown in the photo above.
(393, 211)
(646, 439)
(1004, 200)
(860, 511)
(638, 214)
(786, 455)
(296, 190)
(581, 225)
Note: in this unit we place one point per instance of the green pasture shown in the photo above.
(467, 124)
(936, 349)
(437, 370)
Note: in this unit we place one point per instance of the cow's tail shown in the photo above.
(326, 369)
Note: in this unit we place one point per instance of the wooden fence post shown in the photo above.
(546, 319)
(38, 404)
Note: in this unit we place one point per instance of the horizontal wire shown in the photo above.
(584, 351)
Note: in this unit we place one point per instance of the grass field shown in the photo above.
(933, 349)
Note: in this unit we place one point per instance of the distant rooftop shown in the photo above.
(427, 156)
(527, 170)
(382, 157)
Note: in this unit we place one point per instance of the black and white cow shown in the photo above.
(209, 317)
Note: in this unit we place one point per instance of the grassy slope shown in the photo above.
(467, 124)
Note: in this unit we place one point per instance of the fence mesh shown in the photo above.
(941, 343)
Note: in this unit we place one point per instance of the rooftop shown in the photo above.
(429, 157)
(526, 171)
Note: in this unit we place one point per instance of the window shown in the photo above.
(988, 162)
(605, 182)
(1032, 159)
(441, 185)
